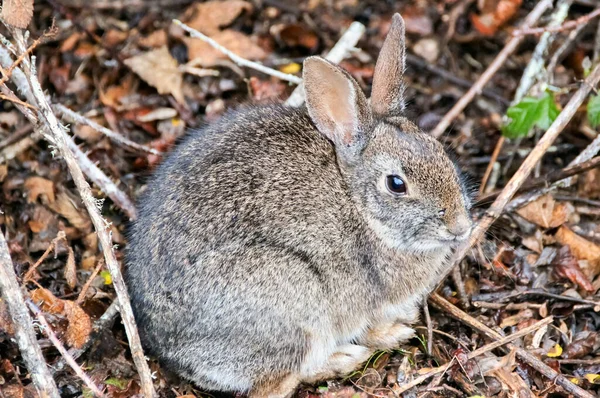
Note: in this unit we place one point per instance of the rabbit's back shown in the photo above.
(240, 224)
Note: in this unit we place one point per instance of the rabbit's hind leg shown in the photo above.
(343, 361)
(276, 387)
(387, 335)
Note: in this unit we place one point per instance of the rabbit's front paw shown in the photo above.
(387, 335)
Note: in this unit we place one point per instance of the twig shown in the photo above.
(45, 327)
(535, 155)
(236, 58)
(74, 117)
(429, 327)
(16, 101)
(340, 51)
(88, 283)
(59, 236)
(508, 49)
(60, 138)
(24, 333)
(452, 78)
(460, 287)
(482, 350)
(526, 356)
(490, 167)
(548, 179)
(566, 26)
(16, 136)
(6, 73)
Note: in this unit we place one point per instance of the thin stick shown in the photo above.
(528, 164)
(526, 356)
(340, 51)
(566, 26)
(548, 179)
(236, 58)
(429, 327)
(74, 117)
(60, 138)
(88, 283)
(59, 236)
(45, 327)
(24, 333)
(508, 49)
(488, 170)
(482, 350)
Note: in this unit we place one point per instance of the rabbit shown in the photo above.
(282, 246)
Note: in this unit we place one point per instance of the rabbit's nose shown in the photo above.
(461, 226)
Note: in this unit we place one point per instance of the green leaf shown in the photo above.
(119, 383)
(593, 110)
(528, 113)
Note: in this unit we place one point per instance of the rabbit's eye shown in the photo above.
(395, 185)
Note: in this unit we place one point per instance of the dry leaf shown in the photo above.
(48, 302)
(238, 43)
(545, 212)
(566, 266)
(77, 216)
(582, 249)
(160, 70)
(17, 13)
(588, 184)
(3, 171)
(156, 39)
(36, 186)
(80, 325)
(488, 23)
(70, 270)
(211, 16)
(555, 351)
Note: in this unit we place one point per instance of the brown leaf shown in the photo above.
(36, 186)
(80, 324)
(70, 270)
(582, 249)
(17, 13)
(417, 20)
(238, 43)
(77, 215)
(588, 184)
(490, 21)
(160, 70)
(48, 302)
(545, 212)
(566, 266)
(211, 16)
(582, 345)
(266, 89)
(295, 35)
(156, 39)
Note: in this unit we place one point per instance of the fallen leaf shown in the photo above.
(565, 265)
(582, 249)
(66, 207)
(296, 35)
(211, 16)
(545, 212)
(107, 277)
(417, 21)
(427, 48)
(47, 301)
(291, 69)
(160, 70)
(236, 42)
(555, 351)
(80, 324)
(582, 345)
(490, 21)
(593, 378)
(588, 184)
(17, 13)
(113, 94)
(70, 270)
(36, 186)
(266, 89)
(158, 114)
(156, 39)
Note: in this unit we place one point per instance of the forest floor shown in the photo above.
(124, 65)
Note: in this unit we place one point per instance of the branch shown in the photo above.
(60, 140)
(236, 58)
(24, 334)
(526, 356)
(340, 51)
(74, 117)
(566, 26)
(482, 350)
(508, 49)
(45, 327)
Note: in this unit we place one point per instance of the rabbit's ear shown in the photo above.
(337, 106)
(387, 95)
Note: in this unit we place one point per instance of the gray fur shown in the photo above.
(265, 255)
